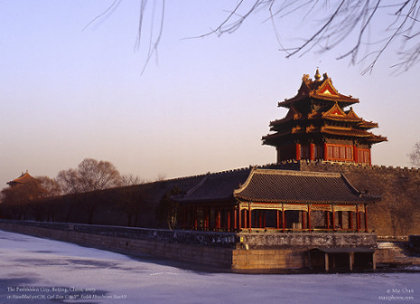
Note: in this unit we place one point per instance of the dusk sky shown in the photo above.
(68, 93)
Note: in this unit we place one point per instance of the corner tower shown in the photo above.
(321, 125)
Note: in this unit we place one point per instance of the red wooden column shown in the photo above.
(355, 154)
(239, 218)
(206, 219)
(350, 220)
(333, 219)
(325, 151)
(245, 218)
(260, 218)
(218, 219)
(235, 218)
(309, 217)
(250, 217)
(278, 219)
(283, 218)
(366, 219)
(195, 218)
(298, 151)
(312, 151)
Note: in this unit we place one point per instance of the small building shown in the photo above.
(261, 199)
(24, 178)
(319, 125)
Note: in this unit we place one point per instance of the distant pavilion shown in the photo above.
(24, 178)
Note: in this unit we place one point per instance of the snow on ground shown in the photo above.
(35, 270)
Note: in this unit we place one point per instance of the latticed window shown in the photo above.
(340, 152)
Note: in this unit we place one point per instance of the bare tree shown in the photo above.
(415, 155)
(90, 175)
(69, 181)
(338, 22)
(130, 179)
(50, 186)
(98, 175)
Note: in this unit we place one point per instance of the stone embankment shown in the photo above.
(261, 252)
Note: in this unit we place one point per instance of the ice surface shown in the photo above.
(105, 277)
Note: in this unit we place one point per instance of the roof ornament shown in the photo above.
(325, 75)
(317, 75)
(305, 78)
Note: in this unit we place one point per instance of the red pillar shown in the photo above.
(355, 154)
(298, 153)
(245, 218)
(206, 219)
(333, 220)
(250, 217)
(228, 220)
(350, 220)
(239, 218)
(283, 218)
(312, 151)
(260, 220)
(218, 219)
(325, 151)
(309, 217)
(366, 219)
(278, 219)
(235, 218)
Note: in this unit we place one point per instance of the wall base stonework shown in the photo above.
(235, 252)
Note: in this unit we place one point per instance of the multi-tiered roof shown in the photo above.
(319, 115)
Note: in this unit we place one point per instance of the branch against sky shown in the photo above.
(90, 175)
(339, 22)
(345, 21)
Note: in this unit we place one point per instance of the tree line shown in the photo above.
(93, 193)
(90, 175)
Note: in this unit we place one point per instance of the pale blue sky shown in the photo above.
(67, 94)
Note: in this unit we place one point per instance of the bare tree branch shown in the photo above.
(345, 20)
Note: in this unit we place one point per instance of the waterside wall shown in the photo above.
(237, 252)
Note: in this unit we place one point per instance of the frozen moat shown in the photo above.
(35, 270)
